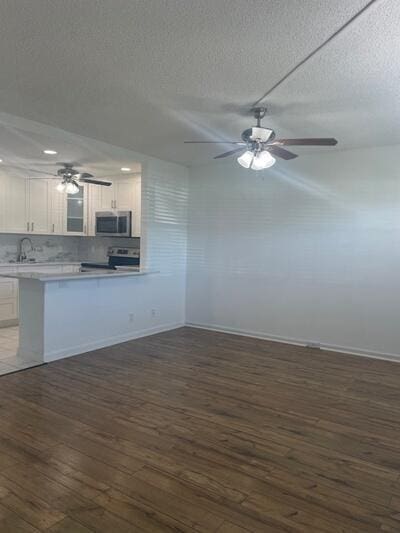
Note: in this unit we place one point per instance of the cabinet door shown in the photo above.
(94, 198)
(8, 299)
(106, 197)
(76, 212)
(124, 194)
(15, 205)
(57, 204)
(39, 205)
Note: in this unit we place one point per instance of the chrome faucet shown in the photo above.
(21, 256)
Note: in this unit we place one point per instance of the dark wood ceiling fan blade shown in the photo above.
(227, 154)
(318, 141)
(95, 182)
(215, 142)
(83, 175)
(281, 152)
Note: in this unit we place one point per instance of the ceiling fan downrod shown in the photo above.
(259, 114)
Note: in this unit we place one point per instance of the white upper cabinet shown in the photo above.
(34, 205)
(76, 212)
(120, 195)
(105, 196)
(15, 216)
(57, 205)
(123, 195)
(38, 205)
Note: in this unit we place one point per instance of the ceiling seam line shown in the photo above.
(316, 50)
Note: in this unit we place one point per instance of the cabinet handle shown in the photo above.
(53, 228)
(27, 226)
(33, 225)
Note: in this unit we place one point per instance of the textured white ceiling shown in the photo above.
(148, 74)
(22, 143)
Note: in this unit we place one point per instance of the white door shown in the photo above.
(39, 205)
(15, 205)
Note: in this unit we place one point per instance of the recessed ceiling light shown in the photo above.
(1, 160)
(125, 169)
(50, 152)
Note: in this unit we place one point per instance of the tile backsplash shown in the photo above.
(95, 248)
(60, 248)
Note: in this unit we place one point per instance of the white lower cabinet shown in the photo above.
(8, 301)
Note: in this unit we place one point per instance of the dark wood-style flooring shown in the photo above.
(194, 430)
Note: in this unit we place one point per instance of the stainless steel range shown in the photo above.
(119, 258)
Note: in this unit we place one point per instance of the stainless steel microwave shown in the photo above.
(114, 223)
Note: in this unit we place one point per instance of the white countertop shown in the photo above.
(59, 276)
(38, 263)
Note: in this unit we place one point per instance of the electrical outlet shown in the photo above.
(154, 312)
(131, 317)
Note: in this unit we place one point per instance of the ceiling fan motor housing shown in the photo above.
(258, 135)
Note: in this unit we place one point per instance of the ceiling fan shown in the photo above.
(70, 178)
(259, 145)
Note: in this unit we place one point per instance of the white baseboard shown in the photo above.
(298, 342)
(110, 341)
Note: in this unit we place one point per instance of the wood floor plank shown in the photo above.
(12, 523)
(194, 430)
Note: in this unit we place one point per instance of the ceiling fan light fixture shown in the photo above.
(262, 160)
(246, 159)
(71, 187)
(61, 187)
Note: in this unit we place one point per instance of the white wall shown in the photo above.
(308, 250)
(164, 237)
